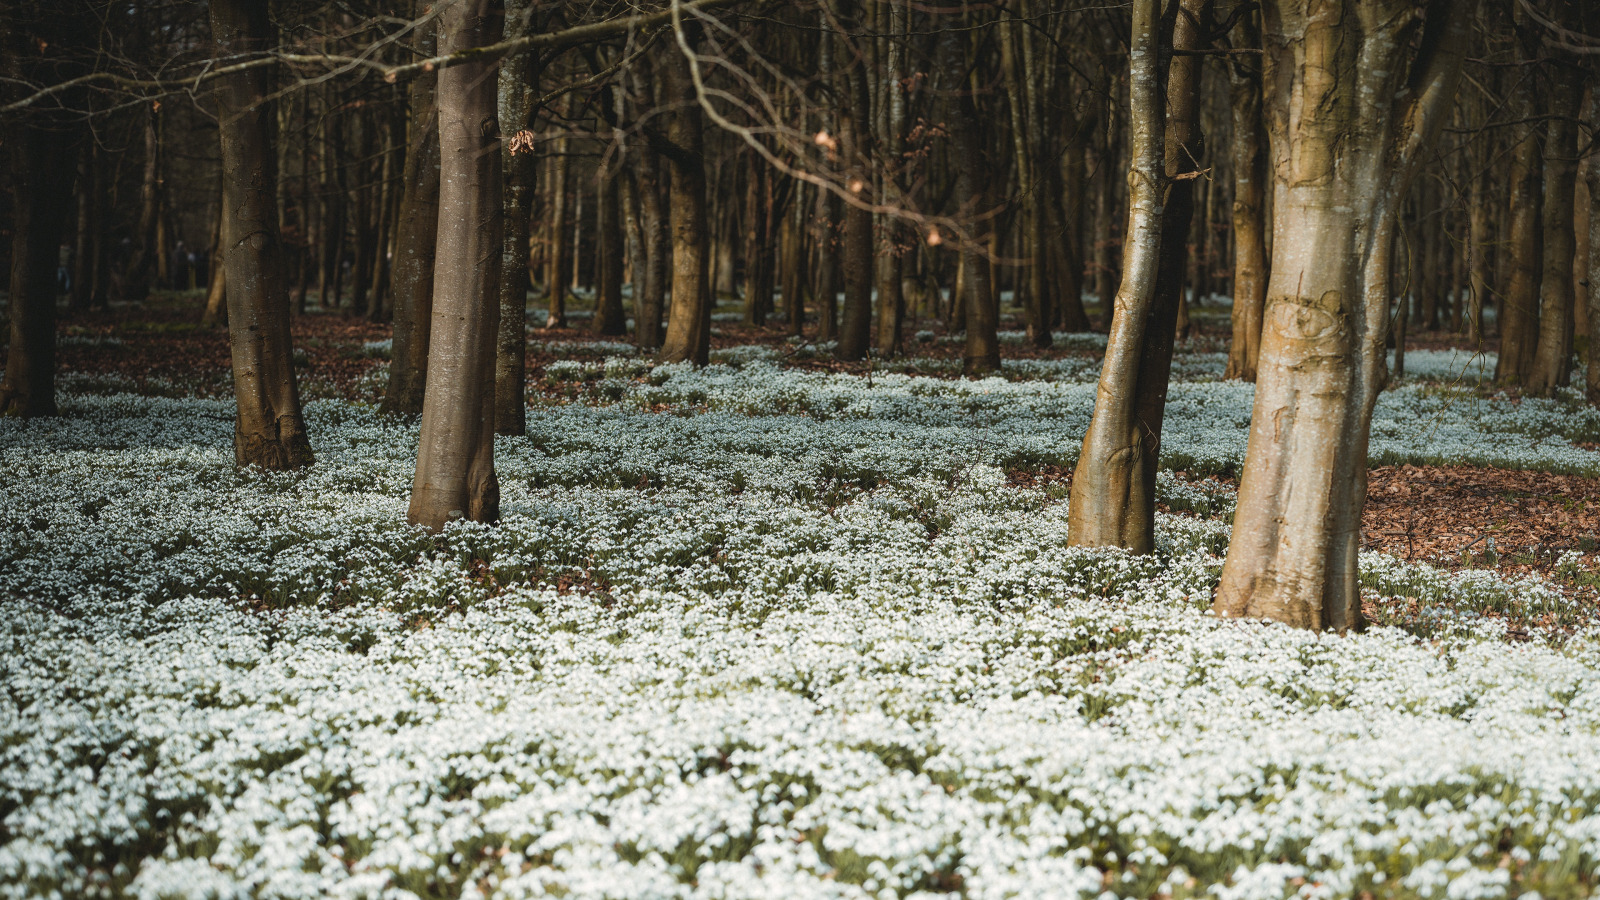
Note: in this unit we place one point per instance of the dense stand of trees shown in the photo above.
(846, 170)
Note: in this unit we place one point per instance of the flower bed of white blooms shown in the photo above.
(807, 642)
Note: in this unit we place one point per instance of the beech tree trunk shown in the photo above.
(1592, 176)
(688, 336)
(975, 307)
(414, 247)
(269, 430)
(1249, 207)
(518, 171)
(855, 330)
(455, 476)
(1519, 309)
(1356, 96)
(609, 318)
(1552, 358)
(559, 265)
(1113, 484)
(42, 171)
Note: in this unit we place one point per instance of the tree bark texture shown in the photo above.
(1250, 265)
(42, 172)
(1113, 484)
(609, 318)
(1355, 96)
(518, 173)
(414, 248)
(1592, 176)
(688, 337)
(269, 429)
(1552, 356)
(455, 476)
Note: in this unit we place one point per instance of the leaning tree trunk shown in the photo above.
(455, 476)
(414, 252)
(269, 430)
(1249, 209)
(1113, 484)
(1552, 356)
(688, 336)
(1354, 100)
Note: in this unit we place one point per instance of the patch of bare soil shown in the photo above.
(1456, 516)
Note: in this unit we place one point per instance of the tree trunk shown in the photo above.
(658, 250)
(609, 318)
(1249, 207)
(414, 247)
(688, 336)
(42, 186)
(1113, 485)
(1356, 98)
(1519, 310)
(1552, 359)
(1592, 176)
(216, 312)
(83, 249)
(855, 331)
(792, 254)
(827, 242)
(455, 476)
(558, 266)
(978, 309)
(269, 430)
(519, 171)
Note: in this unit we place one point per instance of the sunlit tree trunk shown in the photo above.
(1113, 484)
(1355, 96)
(269, 430)
(455, 476)
(1249, 148)
(688, 336)
(414, 247)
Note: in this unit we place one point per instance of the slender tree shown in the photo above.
(269, 430)
(682, 142)
(455, 476)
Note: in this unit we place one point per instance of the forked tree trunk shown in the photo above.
(269, 430)
(1249, 208)
(1552, 357)
(414, 247)
(1355, 97)
(1113, 484)
(455, 476)
(689, 327)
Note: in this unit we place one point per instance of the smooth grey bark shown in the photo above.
(688, 337)
(1250, 175)
(269, 429)
(415, 242)
(514, 90)
(1354, 102)
(455, 477)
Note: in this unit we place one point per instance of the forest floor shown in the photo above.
(1512, 521)
(776, 627)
